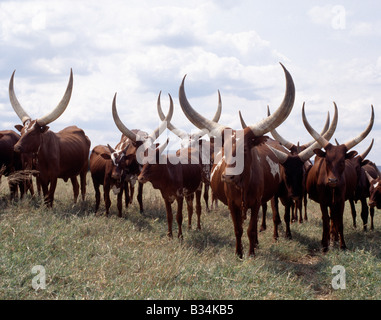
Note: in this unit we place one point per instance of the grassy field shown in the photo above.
(88, 256)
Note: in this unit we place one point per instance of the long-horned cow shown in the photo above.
(205, 147)
(244, 174)
(175, 177)
(107, 167)
(332, 180)
(59, 155)
(130, 142)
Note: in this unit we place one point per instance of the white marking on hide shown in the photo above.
(216, 168)
(274, 167)
(376, 185)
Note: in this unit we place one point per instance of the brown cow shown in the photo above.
(107, 167)
(10, 161)
(252, 178)
(374, 178)
(332, 180)
(59, 155)
(206, 148)
(176, 177)
(131, 141)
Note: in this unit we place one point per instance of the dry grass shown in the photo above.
(88, 256)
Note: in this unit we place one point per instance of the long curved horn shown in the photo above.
(366, 152)
(131, 135)
(122, 128)
(15, 103)
(163, 125)
(309, 152)
(193, 116)
(351, 143)
(322, 141)
(273, 121)
(50, 117)
(258, 129)
(282, 156)
(243, 123)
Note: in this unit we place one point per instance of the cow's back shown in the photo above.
(74, 147)
(98, 163)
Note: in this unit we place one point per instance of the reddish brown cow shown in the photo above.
(10, 161)
(332, 180)
(107, 167)
(131, 141)
(59, 155)
(176, 177)
(254, 177)
(374, 179)
(206, 148)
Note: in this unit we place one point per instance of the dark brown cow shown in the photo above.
(374, 178)
(10, 161)
(206, 148)
(107, 167)
(332, 180)
(296, 149)
(293, 174)
(176, 177)
(254, 177)
(362, 187)
(59, 155)
(131, 141)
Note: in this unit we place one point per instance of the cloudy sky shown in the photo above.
(139, 48)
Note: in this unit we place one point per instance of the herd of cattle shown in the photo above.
(244, 168)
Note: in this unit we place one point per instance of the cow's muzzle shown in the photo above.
(332, 182)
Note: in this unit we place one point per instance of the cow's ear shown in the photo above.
(351, 155)
(106, 156)
(44, 129)
(320, 153)
(364, 162)
(19, 127)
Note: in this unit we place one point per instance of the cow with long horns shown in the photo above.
(206, 149)
(130, 142)
(59, 155)
(243, 174)
(332, 180)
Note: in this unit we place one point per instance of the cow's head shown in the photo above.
(140, 144)
(236, 144)
(31, 130)
(118, 161)
(335, 156)
(374, 191)
(297, 161)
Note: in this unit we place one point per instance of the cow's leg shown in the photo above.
(264, 212)
(75, 184)
(106, 195)
(353, 211)
(238, 229)
(126, 186)
(276, 217)
(50, 197)
(371, 218)
(120, 202)
(299, 208)
(326, 229)
(198, 208)
(287, 209)
(252, 230)
(189, 199)
(97, 195)
(305, 199)
(206, 196)
(132, 191)
(364, 213)
(179, 216)
(168, 209)
(82, 177)
(340, 225)
(140, 197)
